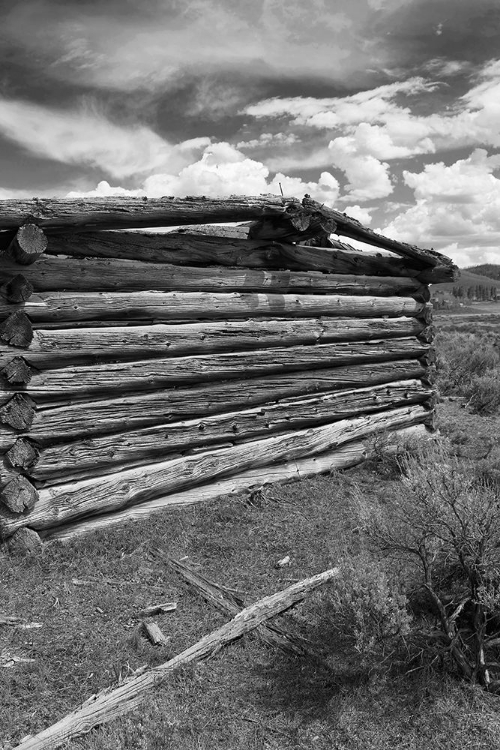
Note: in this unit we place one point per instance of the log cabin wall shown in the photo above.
(145, 370)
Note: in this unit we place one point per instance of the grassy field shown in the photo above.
(86, 597)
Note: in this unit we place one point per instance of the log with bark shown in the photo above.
(57, 423)
(93, 456)
(150, 374)
(241, 484)
(110, 704)
(115, 275)
(54, 307)
(52, 348)
(62, 503)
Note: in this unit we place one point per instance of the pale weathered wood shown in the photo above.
(108, 705)
(186, 249)
(99, 455)
(56, 273)
(153, 632)
(339, 458)
(149, 374)
(17, 330)
(71, 420)
(68, 306)
(19, 495)
(28, 245)
(51, 348)
(17, 289)
(62, 503)
(158, 609)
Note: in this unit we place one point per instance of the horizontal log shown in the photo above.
(72, 420)
(72, 500)
(185, 249)
(116, 275)
(149, 374)
(99, 455)
(69, 306)
(240, 484)
(59, 347)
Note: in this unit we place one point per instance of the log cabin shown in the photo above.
(143, 370)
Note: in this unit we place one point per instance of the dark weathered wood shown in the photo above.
(25, 542)
(101, 455)
(72, 420)
(108, 705)
(23, 454)
(17, 330)
(149, 374)
(28, 245)
(17, 289)
(18, 412)
(427, 335)
(186, 249)
(441, 274)
(17, 372)
(69, 501)
(19, 495)
(51, 348)
(55, 273)
(158, 306)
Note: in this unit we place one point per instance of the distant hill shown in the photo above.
(471, 286)
(491, 270)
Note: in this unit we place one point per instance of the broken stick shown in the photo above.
(110, 704)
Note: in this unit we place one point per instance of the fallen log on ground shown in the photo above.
(62, 503)
(56, 307)
(110, 704)
(100, 455)
(338, 458)
(149, 374)
(51, 348)
(54, 273)
(63, 419)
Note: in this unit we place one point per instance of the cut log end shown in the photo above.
(28, 244)
(18, 413)
(25, 542)
(17, 330)
(23, 454)
(17, 371)
(17, 290)
(19, 495)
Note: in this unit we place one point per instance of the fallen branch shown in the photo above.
(110, 704)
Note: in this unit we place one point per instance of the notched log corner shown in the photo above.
(24, 454)
(29, 243)
(17, 290)
(19, 495)
(17, 372)
(25, 542)
(17, 330)
(18, 413)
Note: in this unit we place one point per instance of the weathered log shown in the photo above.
(28, 245)
(19, 495)
(154, 634)
(17, 330)
(185, 249)
(425, 314)
(18, 412)
(158, 609)
(59, 347)
(108, 705)
(23, 454)
(427, 335)
(338, 458)
(17, 289)
(68, 306)
(53, 273)
(440, 274)
(62, 503)
(92, 456)
(17, 371)
(25, 542)
(149, 374)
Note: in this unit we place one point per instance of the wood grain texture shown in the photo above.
(51, 348)
(242, 483)
(55, 273)
(53, 307)
(63, 503)
(150, 374)
(100, 455)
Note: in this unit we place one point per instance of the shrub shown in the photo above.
(461, 358)
(483, 392)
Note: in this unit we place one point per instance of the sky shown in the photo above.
(388, 110)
